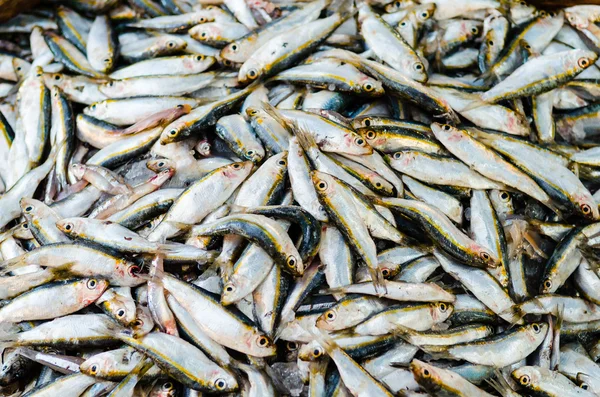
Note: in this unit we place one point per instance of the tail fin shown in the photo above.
(477, 102)
(404, 333)
(555, 355)
(276, 114)
(378, 281)
(324, 340)
(501, 385)
(307, 141)
(12, 264)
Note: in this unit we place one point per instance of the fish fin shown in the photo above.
(12, 264)
(555, 353)
(516, 314)
(399, 364)
(306, 140)
(500, 384)
(378, 281)
(437, 352)
(477, 102)
(324, 340)
(403, 332)
(332, 291)
(6, 342)
(157, 271)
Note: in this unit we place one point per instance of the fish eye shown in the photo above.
(25, 226)
(504, 196)
(91, 284)
(474, 30)
(282, 162)
(138, 323)
(263, 341)
(173, 132)
(547, 284)
(252, 112)
(523, 3)
(236, 166)
(68, 226)
(29, 208)
(426, 373)
(378, 184)
(93, 106)
(203, 34)
(252, 74)
(552, 14)
(56, 76)
(485, 256)
(330, 316)
(171, 44)
(220, 384)
(229, 288)
(584, 386)
(359, 141)
(367, 122)
(491, 43)
(385, 272)
(368, 87)
(586, 209)
(120, 313)
(179, 106)
(371, 134)
(133, 270)
(199, 57)
(94, 369)
(292, 346)
(543, 13)
(583, 62)
(403, 24)
(227, 62)
(112, 83)
(250, 152)
(446, 127)
(536, 328)
(161, 164)
(397, 155)
(291, 262)
(317, 353)
(234, 47)
(322, 185)
(398, 4)
(419, 66)
(443, 307)
(202, 19)
(524, 380)
(167, 386)
(425, 15)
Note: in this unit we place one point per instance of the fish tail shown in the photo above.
(500, 384)
(403, 332)
(157, 271)
(12, 264)
(306, 140)
(325, 340)
(378, 281)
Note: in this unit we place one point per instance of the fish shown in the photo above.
(337, 197)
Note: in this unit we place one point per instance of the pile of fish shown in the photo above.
(325, 198)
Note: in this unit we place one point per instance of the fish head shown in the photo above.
(70, 226)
